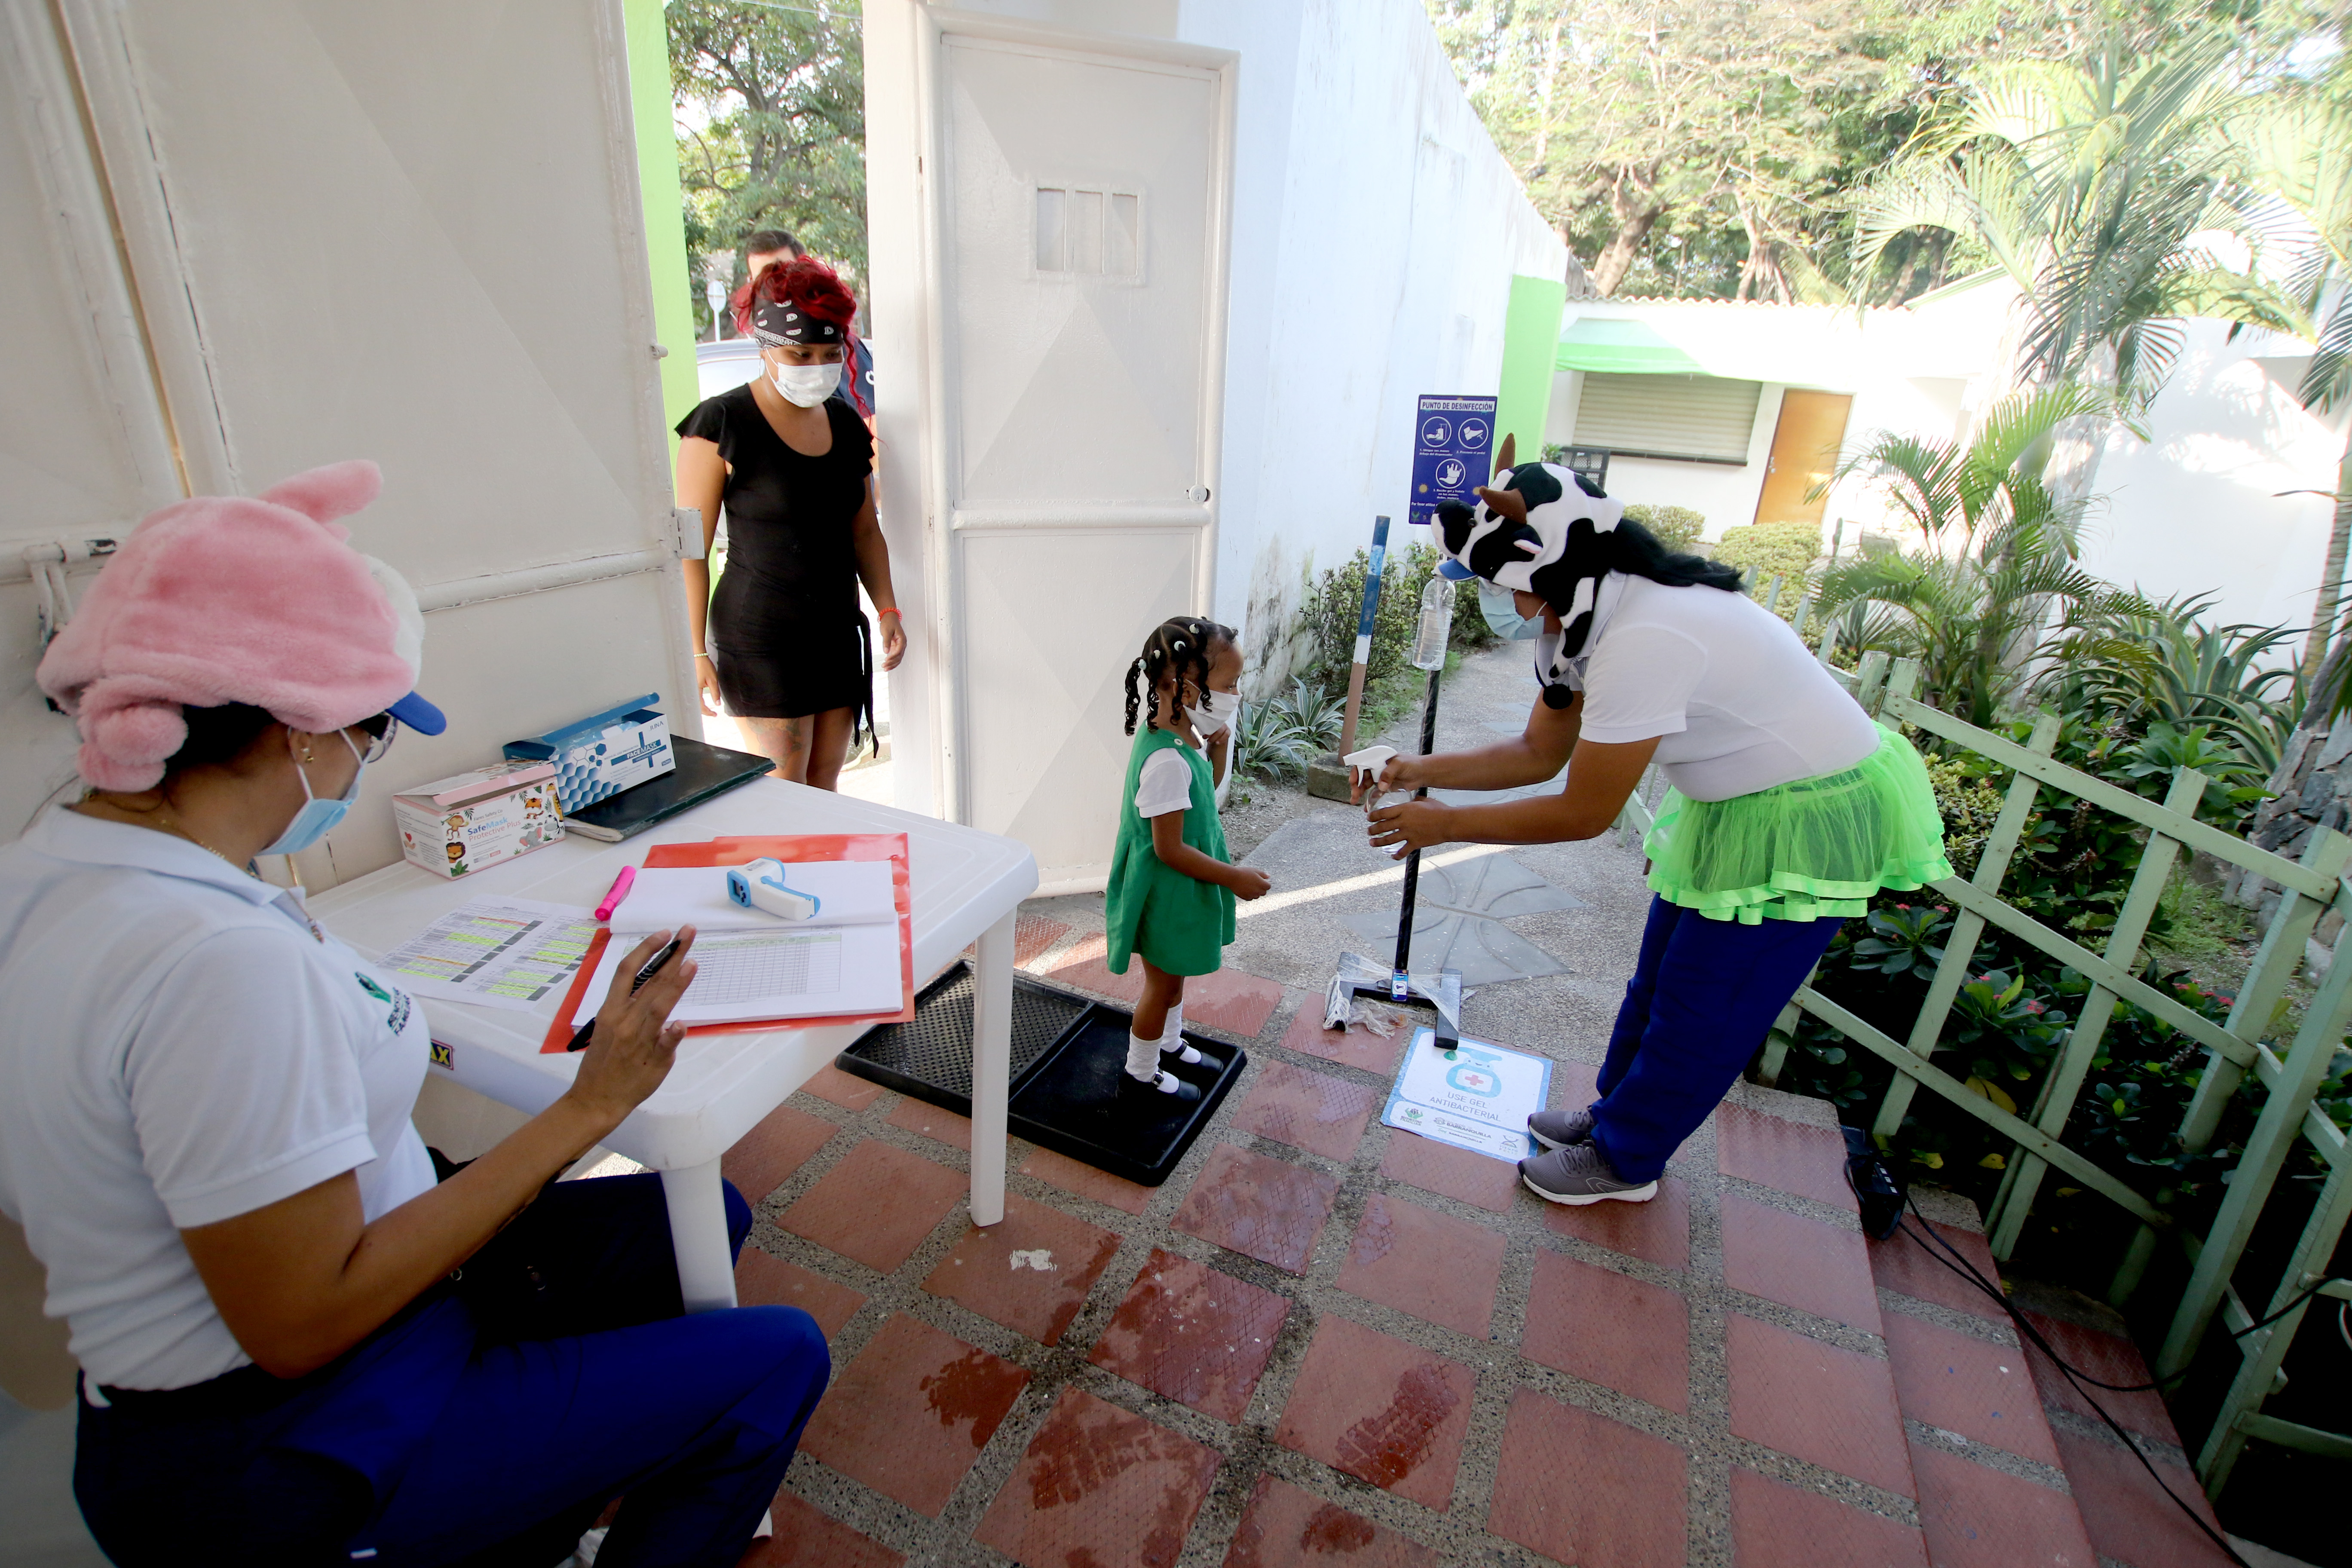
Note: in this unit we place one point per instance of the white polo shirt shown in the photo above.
(1734, 699)
(179, 1045)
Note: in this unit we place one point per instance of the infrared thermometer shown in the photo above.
(760, 885)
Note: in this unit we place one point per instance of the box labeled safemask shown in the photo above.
(485, 817)
(604, 754)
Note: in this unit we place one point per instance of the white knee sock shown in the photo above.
(1142, 1057)
(1172, 1038)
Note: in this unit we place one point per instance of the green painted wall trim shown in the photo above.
(649, 104)
(1530, 343)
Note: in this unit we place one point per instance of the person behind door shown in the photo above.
(782, 643)
(1789, 807)
(1169, 900)
(297, 1344)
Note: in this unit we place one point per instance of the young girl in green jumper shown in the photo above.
(1171, 898)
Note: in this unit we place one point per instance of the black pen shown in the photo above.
(653, 966)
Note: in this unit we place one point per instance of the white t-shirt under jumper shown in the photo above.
(1736, 702)
(178, 1047)
(1164, 784)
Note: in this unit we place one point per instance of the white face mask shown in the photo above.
(805, 385)
(1224, 708)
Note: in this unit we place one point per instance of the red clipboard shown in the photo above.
(891, 847)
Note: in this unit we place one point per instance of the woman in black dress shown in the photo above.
(783, 642)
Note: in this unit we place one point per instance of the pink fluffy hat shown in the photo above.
(228, 599)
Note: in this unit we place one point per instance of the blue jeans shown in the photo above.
(490, 1422)
(1703, 996)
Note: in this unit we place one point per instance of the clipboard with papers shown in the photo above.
(853, 963)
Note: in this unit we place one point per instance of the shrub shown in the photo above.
(1677, 527)
(1789, 550)
(1271, 741)
(1968, 803)
(1335, 603)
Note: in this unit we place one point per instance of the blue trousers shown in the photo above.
(489, 1423)
(1703, 996)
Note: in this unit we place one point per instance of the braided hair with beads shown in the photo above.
(1184, 645)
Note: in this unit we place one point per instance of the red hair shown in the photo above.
(804, 283)
(810, 286)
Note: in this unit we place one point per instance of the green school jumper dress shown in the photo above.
(1179, 924)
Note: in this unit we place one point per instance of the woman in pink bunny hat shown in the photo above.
(303, 1337)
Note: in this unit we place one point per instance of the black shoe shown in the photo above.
(1157, 1094)
(1185, 1054)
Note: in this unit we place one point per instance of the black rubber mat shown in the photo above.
(931, 1055)
(1069, 1053)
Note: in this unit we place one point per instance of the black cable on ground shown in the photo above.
(2082, 1381)
(1881, 1178)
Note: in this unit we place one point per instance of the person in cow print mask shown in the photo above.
(1788, 807)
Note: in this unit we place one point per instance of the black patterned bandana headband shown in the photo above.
(775, 325)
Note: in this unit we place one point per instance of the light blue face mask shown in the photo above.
(1501, 609)
(317, 817)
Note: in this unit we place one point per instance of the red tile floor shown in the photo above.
(1327, 1341)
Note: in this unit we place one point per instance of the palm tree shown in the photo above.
(2301, 153)
(2090, 183)
(1997, 557)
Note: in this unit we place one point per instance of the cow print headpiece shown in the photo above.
(1546, 537)
(776, 323)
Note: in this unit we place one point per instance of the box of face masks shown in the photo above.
(454, 825)
(605, 753)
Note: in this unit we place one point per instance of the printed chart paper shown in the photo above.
(496, 953)
(782, 971)
(1477, 1096)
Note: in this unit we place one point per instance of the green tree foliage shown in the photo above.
(1679, 145)
(772, 129)
(1693, 149)
(2093, 183)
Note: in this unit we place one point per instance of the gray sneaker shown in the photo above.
(1581, 1173)
(1559, 1128)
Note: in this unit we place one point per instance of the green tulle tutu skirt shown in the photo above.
(1802, 851)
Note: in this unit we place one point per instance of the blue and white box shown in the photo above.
(605, 753)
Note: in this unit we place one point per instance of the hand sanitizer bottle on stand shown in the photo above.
(1436, 624)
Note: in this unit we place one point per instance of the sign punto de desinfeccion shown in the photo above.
(1453, 443)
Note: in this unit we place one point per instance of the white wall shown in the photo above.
(2195, 508)
(327, 264)
(1374, 231)
(1724, 492)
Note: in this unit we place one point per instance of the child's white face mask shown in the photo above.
(1223, 708)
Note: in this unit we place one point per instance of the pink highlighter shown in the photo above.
(620, 890)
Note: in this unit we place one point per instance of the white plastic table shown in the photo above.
(966, 886)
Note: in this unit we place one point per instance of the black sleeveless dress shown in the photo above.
(786, 635)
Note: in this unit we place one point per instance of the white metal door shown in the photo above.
(408, 233)
(1079, 245)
